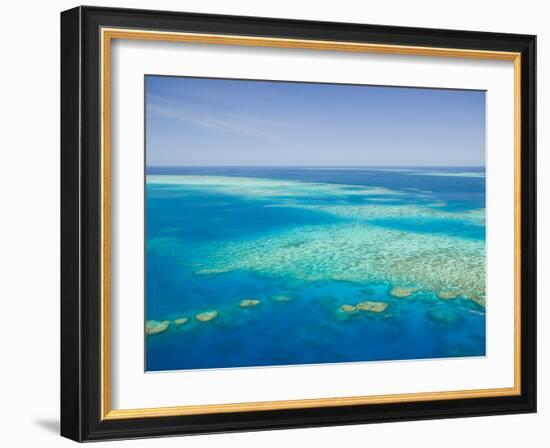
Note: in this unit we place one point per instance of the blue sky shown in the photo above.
(206, 122)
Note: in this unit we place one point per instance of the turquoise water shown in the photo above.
(302, 242)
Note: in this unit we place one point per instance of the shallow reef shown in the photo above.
(280, 298)
(248, 303)
(402, 292)
(207, 316)
(448, 294)
(260, 188)
(374, 307)
(348, 308)
(360, 253)
(442, 316)
(153, 327)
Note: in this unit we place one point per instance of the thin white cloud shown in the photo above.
(194, 114)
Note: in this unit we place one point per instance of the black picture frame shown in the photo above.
(81, 224)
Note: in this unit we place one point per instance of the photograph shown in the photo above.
(296, 223)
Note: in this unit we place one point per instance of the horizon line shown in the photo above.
(315, 166)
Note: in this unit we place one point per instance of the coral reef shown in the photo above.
(402, 292)
(374, 307)
(348, 308)
(442, 316)
(447, 294)
(247, 303)
(153, 327)
(207, 316)
(280, 298)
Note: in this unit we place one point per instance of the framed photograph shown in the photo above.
(273, 223)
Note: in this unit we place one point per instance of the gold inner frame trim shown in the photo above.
(107, 35)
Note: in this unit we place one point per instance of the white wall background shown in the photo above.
(29, 234)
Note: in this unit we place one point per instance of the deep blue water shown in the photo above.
(199, 244)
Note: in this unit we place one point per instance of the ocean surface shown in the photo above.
(333, 265)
